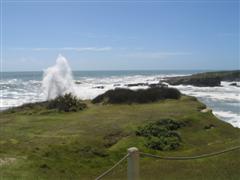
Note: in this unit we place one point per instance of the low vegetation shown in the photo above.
(162, 134)
(127, 96)
(66, 103)
(84, 144)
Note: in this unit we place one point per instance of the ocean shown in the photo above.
(18, 88)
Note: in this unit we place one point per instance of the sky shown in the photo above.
(121, 35)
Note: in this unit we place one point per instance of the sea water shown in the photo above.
(23, 87)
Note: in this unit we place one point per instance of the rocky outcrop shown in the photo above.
(137, 84)
(98, 87)
(160, 85)
(208, 79)
(152, 85)
(195, 81)
(234, 84)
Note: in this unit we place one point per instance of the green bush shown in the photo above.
(127, 96)
(66, 103)
(162, 134)
(163, 143)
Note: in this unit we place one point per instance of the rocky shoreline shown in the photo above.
(208, 79)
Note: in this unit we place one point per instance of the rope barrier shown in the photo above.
(168, 158)
(190, 158)
(113, 167)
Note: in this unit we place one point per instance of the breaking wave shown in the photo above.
(22, 88)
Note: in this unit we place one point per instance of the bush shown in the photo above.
(163, 143)
(161, 135)
(120, 95)
(66, 103)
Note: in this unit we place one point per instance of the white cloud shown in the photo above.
(40, 49)
(78, 49)
(156, 55)
(83, 49)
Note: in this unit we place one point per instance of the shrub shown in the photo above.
(162, 134)
(66, 103)
(120, 95)
(163, 143)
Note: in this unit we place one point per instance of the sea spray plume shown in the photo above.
(58, 80)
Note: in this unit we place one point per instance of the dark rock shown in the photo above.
(157, 85)
(195, 81)
(115, 85)
(99, 87)
(208, 79)
(78, 82)
(137, 84)
(234, 84)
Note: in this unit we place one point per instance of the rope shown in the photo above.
(190, 158)
(113, 167)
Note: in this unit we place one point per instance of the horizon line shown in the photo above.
(99, 70)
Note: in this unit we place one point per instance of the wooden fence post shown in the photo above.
(133, 163)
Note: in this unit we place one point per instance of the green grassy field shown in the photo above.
(44, 144)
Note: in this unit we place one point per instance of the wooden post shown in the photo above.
(133, 163)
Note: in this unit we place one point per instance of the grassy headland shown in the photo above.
(38, 143)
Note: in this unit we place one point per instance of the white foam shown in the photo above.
(58, 79)
(224, 100)
(229, 116)
(226, 92)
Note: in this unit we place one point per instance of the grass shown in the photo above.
(81, 145)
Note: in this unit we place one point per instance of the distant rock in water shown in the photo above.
(98, 87)
(208, 79)
(234, 84)
(137, 84)
(154, 85)
(78, 82)
(116, 85)
(195, 81)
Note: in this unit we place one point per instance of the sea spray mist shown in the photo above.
(58, 79)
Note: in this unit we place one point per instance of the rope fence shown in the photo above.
(113, 167)
(192, 157)
(133, 160)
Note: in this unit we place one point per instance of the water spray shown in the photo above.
(58, 79)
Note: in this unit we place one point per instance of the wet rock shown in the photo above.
(153, 85)
(194, 81)
(116, 85)
(78, 82)
(137, 84)
(234, 84)
(98, 87)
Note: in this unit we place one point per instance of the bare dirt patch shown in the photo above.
(6, 161)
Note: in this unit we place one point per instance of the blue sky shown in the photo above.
(121, 35)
